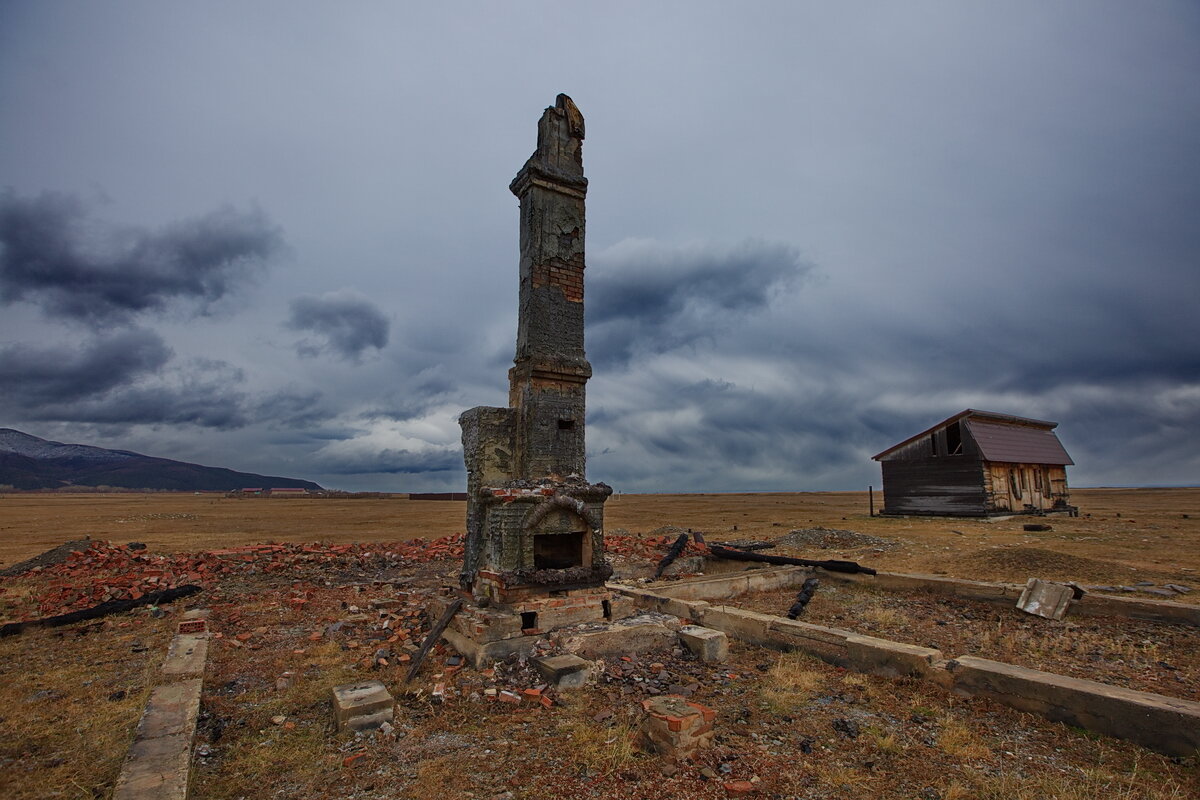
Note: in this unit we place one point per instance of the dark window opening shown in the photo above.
(528, 619)
(607, 606)
(558, 550)
(954, 439)
(566, 424)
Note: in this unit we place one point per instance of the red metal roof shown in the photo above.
(1004, 437)
(1017, 444)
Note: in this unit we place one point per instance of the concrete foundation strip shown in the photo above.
(159, 760)
(1165, 724)
(1006, 594)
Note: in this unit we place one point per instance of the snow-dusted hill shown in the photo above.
(30, 462)
(13, 441)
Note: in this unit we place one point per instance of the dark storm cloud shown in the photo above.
(391, 461)
(203, 403)
(39, 376)
(290, 409)
(121, 379)
(347, 321)
(648, 297)
(715, 434)
(54, 254)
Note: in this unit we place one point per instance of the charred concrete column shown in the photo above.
(546, 383)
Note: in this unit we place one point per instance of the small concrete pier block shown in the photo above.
(1045, 599)
(706, 643)
(360, 706)
(565, 671)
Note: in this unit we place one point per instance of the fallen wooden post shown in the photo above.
(806, 592)
(102, 610)
(747, 546)
(831, 565)
(672, 554)
(434, 634)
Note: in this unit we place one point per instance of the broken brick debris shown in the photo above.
(675, 727)
(98, 572)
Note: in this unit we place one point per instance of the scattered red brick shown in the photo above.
(105, 571)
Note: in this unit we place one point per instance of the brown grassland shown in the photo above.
(1129, 532)
(69, 697)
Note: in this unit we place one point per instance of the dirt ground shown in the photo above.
(790, 726)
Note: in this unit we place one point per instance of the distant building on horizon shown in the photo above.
(977, 463)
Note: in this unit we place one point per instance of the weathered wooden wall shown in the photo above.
(946, 485)
(1011, 487)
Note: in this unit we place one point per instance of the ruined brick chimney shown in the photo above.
(534, 523)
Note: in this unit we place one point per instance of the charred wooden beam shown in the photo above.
(830, 565)
(435, 633)
(748, 545)
(676, 548)
(806, 593)
(102, 610)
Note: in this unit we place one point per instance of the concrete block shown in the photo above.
(353, 702)
(747, 626)
(172, 709)
(158, 762)
(481, 654)
(891, 659)
(565, 671)
(727, 586)
(618, 640)
(1045, 599)
(827, 644)
(1153, 610)
(1166, 724)
(186, 654)
(652, 601)
(156, 769)
(369, 722)
(705, 643)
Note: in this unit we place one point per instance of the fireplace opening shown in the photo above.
(558, 550)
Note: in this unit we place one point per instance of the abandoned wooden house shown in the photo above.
(977, 463)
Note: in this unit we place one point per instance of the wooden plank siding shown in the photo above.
(949, 485)
(1012, 487)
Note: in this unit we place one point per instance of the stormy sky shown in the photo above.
(278, 236)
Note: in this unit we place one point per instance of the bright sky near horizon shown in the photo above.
(278, 236)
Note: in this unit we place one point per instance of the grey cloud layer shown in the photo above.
(53, 254)
(813, 229)
(348, 322)
(35, 377)
(645, 296)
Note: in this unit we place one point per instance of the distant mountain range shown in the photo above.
(28, 462)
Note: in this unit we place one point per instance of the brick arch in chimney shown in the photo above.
(566, 503)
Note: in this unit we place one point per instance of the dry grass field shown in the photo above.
(1121, 535)
(793, 726)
